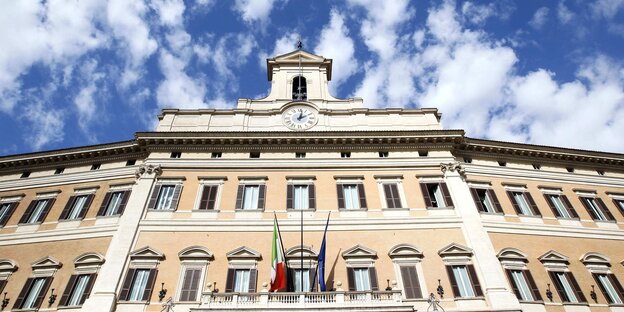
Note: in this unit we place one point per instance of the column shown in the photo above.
(104, 293)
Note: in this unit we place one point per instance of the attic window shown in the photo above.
(345, 154)
(25, 174)
(59, 170)
(254, 155)
(300, 155)
(600, 172)
(299, 89)
(537, 166)
(383, 154)
(95, 166)
(216, 155)
(570, 169)
(468, 160)
(502, 163)
(131, 162)
(175, 155)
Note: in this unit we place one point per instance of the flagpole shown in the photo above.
(301, 246)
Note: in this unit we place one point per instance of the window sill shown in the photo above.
(348, 209)
(76, 307)
(27, 227)
(105, 220)
(68, 223)
(395, 209)
(469, 298)
(248, 214)
(204, 214)
(299, 210)
(584, 304)
(441, 208)
(531, 302)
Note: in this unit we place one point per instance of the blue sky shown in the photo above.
(86, 72)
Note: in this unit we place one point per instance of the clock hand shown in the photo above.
(300, 116)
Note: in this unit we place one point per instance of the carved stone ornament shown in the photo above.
(148, 169)
(452, 167)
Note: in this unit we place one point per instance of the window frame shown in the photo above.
(397, 181)
(490, 195)
(27, 215)
(531, 205)
(291, 184)
(89, 193)
(600, 265)
(456, 255)
(242, 258)
(555, 264)
(12, 202)
(125, 190)
(85, 264)
(144, 259)
(407, 255)
(260, 182)
(293, 262)
(512, 259)
(44, 268)
(193, 257)
(204, 182)
(177, 183)
(445, 194)
(566, 205)
(598, 204)
(358, 183)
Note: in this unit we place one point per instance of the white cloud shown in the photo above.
(254, 10)
(607, 8)
(46, 125)
(478, 14)
(540, 17)
(178, 90)
(334, 42)
(563, 13)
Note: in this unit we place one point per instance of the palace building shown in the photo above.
(421, 218)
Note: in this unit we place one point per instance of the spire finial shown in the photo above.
(299, 44)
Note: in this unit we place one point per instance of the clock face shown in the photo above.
(299, 118)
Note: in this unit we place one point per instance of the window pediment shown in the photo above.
(405, 251)
(512, 254)
(594, 258)
(244, 253)
(195, 253)
(359, 251)
(554, 258)
(147, 253)
(455, 250)
(7, 266)
(296, 251)
(89, 259)
(46, 263)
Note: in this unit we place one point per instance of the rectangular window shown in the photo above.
(254, 155)
(597, 209)
(486, 200)
(610, 287)
(114, 203)
(77, 290)
(190, 284)
(96, 166)
(37, 210)
(345, 154)
(76, 207)
(464, 281)
(393, 198)
(351, 196)
(362, 279)
(6, 210)
(175, 155)
(411, 285)
(241, 280)
(250, 196)
(216, 155)
(301, 198)
(561, 206)
(209, 197)
(383, 154)
(523, 285)
(25, 174)
(620, 204)
(165, 197)
(131, 162)
(567, 287)
(523, 203)
(59, 170)
(300, 155)
(138, 285)
(436, 195)
(518, 197)
(33, 293)
(301, 277)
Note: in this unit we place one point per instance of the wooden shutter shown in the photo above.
(604, 209)
(124, 201)
(105, 202)
(590, 211)
(229, 282)
(616, 284)
(391, 191)
(151, 280)
(208, 198)
(253, 275)
(239, 196)
(2, 285)
(411, 285)
(68, 207)
(176, 196)
(86, 206)
(536, 294)
(89, 287)
(311, 197)
(125, 289)
(577, 289)
(8, 215)
(569, 206)
(23, 293)
(351, 279)
(362, 195)
(552, 205)
(28, 211)
(340, 192)
(46, 209)
(532, 204)
(313, 278)
(372, 274)
(261, 196)
(44, 291)
(289, 196)
(447, 195)
(190, 284)
(602, 288)
(290, 279)
(475, 281)
(68, 290)
(454, 287)
(514, 203)
(477, 200)
(558, 286)
(425, 191)
(154, 196)
(497, 206)
(512, 282)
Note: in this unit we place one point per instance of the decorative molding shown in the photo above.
(148, 253)
(512, 254)
(594, 258)
(295, 252)
(46, 263)
(148, 169)
(89, 259)
(7, 266)
(554, 257)
(359, 251)
(69, 178)
(405, 251)
(244, 253)
(455, 250)
(195, 253)
(452, 167)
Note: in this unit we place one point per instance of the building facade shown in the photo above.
(181, 218)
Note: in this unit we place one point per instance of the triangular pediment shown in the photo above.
(553, 256)
(7, 265)
(46, 263)
(195, 252)
(405, 251)
(359, 251)
(595, 258)
(297, 251)
(455, 249)
(294, 56)
(243, 252)
(147, 252)
(511, 254)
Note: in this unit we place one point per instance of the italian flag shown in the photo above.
(278, 276)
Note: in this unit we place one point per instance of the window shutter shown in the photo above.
(362, 195)
(389, 197)
(176, 196)
(477, 200)
(602, 288)
(261, 196)
(512, 282)
(372, 274)
(2, 284)
(149, 286)
(605, 210)
(22, 294)
(46, 209)
(351, 279)
(617, 204)
(289, 196)
(529, 198)
(89, 287)
(514, 203)
(311, 196)
(497, 206)
(190, 284)
(552, 205)
(229, 282)
(577, 289)
(252, 280)
(239, 196)
(411, 285)
(616, 284)
(124, 201)
(105, 202)
(425, 192)
(43, 292)
(569, 206)
(86, 206)
(590, 211)
(449, 270)
(397, 197)
(313, 278)
(28, 211)
(154, 197)
(125, 289)
(340, 192)
(447, 196)
(558, 286)
(475, 281)
(536, 294)
(290, 279)
(67, 208)
(68, 289)
(8, 215)
(208, 192)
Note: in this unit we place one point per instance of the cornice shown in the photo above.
(58, 235)
(69, 178)
(325, 111)
(552, 230)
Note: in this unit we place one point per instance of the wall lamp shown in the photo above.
(162, 293)
(5, 301)
(440, 289)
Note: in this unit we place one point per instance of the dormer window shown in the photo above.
(299, 89)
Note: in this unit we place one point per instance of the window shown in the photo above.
(436, 195)
(300, 155)
(537, 166)
(77, 290)
(194, 262)
(96, 166)
(299, 88)
(216, 155)
(467, 160)
(423, 153)
(620, 204)
(351, 196)
(361, 279)
(301, 278)
(502, 163)
(345, 154)
(138, 285)
(600, 172)
(37, 210)
(383, 154)
(131, 162)
(411, 284)
(523, 203)
(407, 260)
(190, 284)
(361, 273)
(241, 280)
(25, 174)
(6, 210)
(250, 196)
(561, 206)
(208, 197)
(570, 169)
(254, 155)
(610, 287)
(33, 293)
(300, 196)
(391, 192)
(567, 287)
(523, 285)
(464, 281)
(59, 170)
(597, 209)
(114, 203)
(76, 207)
(486, 200)
(167, 197)
(175, 155)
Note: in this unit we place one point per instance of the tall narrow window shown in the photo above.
(250, 196)
(114, 203)
(561, 206)
(208, 197)
(76, 207)
(300, 196)
(33, 293)
(77, 290)
(165, 196)
(411, 285)
(362, 279)
(190, 284)
(300, 89)
(301, 278)
(523, 203)
(486, 200)
(597, 209)
(523, 285)
(138, 285)
(464, 281)
(6, 210)
(436, 195)
(37, 210)
(620, 204)
(241, 280)
(567, 287)
(391, 192)
(351, 196)
(610, 287)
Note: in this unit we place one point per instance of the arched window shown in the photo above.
(299, 89)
